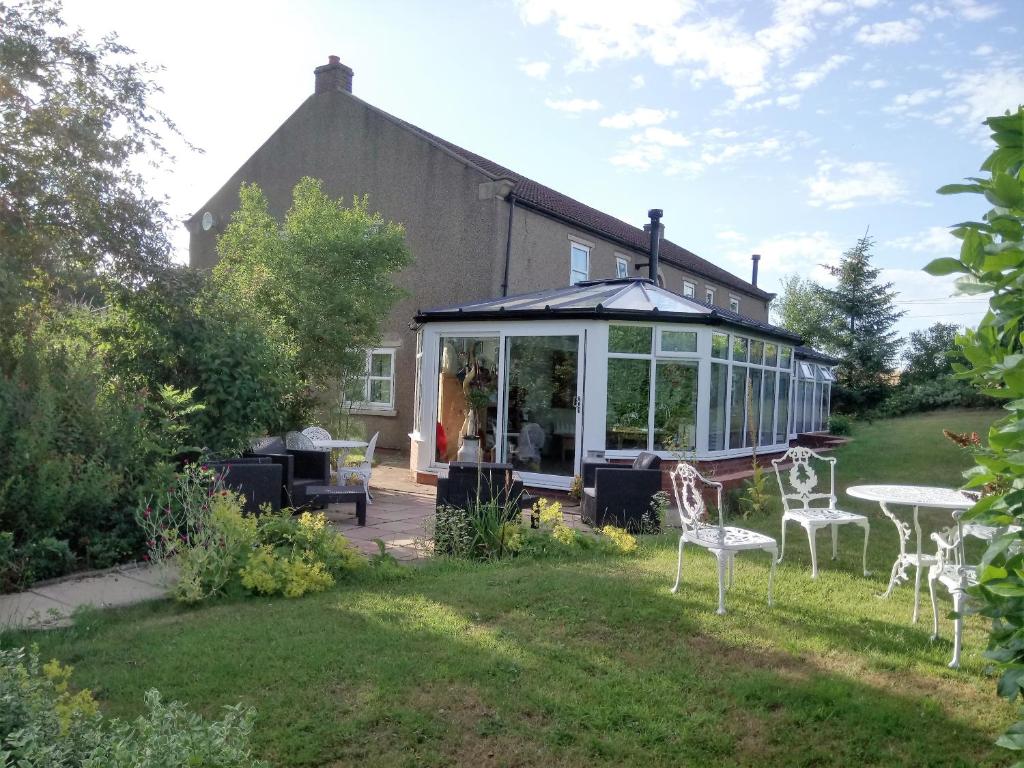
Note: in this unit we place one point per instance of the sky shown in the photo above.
(787, 128)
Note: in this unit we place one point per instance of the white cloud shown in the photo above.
(934, 241)
(840, 185)
(725, 153)
(731, 236)
(792, 101)
(806, 78)
(636, 81)
(983, 50)
(876, 84)
(638, 118)
(929, 12)
(574, 106)
(905, 101)
(965, 99)
(886, 32)
(971, 10)
(661, 136)
(538, 70)
(801, 252)
(638, 158)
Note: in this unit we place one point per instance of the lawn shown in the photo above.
(583, 662)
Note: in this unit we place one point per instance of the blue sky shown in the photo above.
(783, 127)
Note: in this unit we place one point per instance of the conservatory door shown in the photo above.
(543, 406)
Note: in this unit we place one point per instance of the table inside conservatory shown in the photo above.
(915, 497)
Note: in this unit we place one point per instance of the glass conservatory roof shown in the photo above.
(636, 298)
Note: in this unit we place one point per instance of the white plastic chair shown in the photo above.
(816, 509)
(362, 470)
(723, 541)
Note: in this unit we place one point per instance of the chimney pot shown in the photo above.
(755, 258)
(332, 76)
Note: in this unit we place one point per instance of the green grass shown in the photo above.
(585, 662)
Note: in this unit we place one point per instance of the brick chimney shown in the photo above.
(333, 76)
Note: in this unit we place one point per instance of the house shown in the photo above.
(476, 230)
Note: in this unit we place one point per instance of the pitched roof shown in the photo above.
(535, 195)
(629, 298)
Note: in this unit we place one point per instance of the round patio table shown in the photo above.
(916, 497)
(342, 445)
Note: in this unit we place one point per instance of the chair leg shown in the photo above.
(721, 581)
(771, 575)
(835, 541)
(679, 566)
(958, 629)
(732, 567)
(811, 531)
(782, 552)
(917, 592)
(867, 530)
(935, 608)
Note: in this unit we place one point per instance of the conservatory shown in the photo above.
(612, 368)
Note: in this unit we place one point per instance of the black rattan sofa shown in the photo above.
(620, 494)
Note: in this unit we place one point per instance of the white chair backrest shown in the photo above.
(298, 442)
(531, 441)
(802, 481)
(368, 460)
(316, 433)
(688, 485)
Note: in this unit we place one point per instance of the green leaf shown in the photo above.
(957, 189)
(945, 266)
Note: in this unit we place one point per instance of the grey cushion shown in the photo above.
(647, 460)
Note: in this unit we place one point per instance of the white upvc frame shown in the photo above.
(574, 247)
(621, 265)
(366, 404)
(709, 294)
(592, 383)
(689, 289)
(734, 303)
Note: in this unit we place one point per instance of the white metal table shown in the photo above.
(917, 497)
(342, 445)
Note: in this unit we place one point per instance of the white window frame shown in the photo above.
(709, 294)
(689, 289)
(734, 303)
(366, 403)
(573, 246)
(621, 266)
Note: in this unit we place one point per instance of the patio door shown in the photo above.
(543, 406)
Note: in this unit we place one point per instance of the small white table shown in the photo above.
(915, 496)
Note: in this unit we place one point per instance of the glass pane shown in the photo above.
(823, 406)
(806, 372)
(738, 408)
(688, 290)
(756, 351)
(767, 434)
(716, 426)
(720, 346)
(580, 257)
(808, 405)
(786, 357)
(675, 407)
(380, 391)
(754, 408)
(467, 398)
(739, 349)
(380, 364)
(678, 341)
(630, 338)
(771, 355)
(621, 268)
(540, 403)
(629, 386)
(782, 422)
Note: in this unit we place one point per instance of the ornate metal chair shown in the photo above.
(317, 433)
(297, 441)
(723, 541)
(811, 508)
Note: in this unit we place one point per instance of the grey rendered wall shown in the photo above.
(456, 239)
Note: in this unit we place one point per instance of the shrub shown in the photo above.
(939, 393)
(756, 497)
(485, 530)
(44, 723)
(620, 539)
(838, 424)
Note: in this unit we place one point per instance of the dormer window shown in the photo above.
(734, 304)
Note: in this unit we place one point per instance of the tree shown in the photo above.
(929, 354)
(992, 261)
(319, 283)
(801, 309)
(75, 122)
(860, 327)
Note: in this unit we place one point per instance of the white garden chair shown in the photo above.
(297, 441)
(723, 541)
(803, 503)
(956, 575)
(317, 433)
(363, 469)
